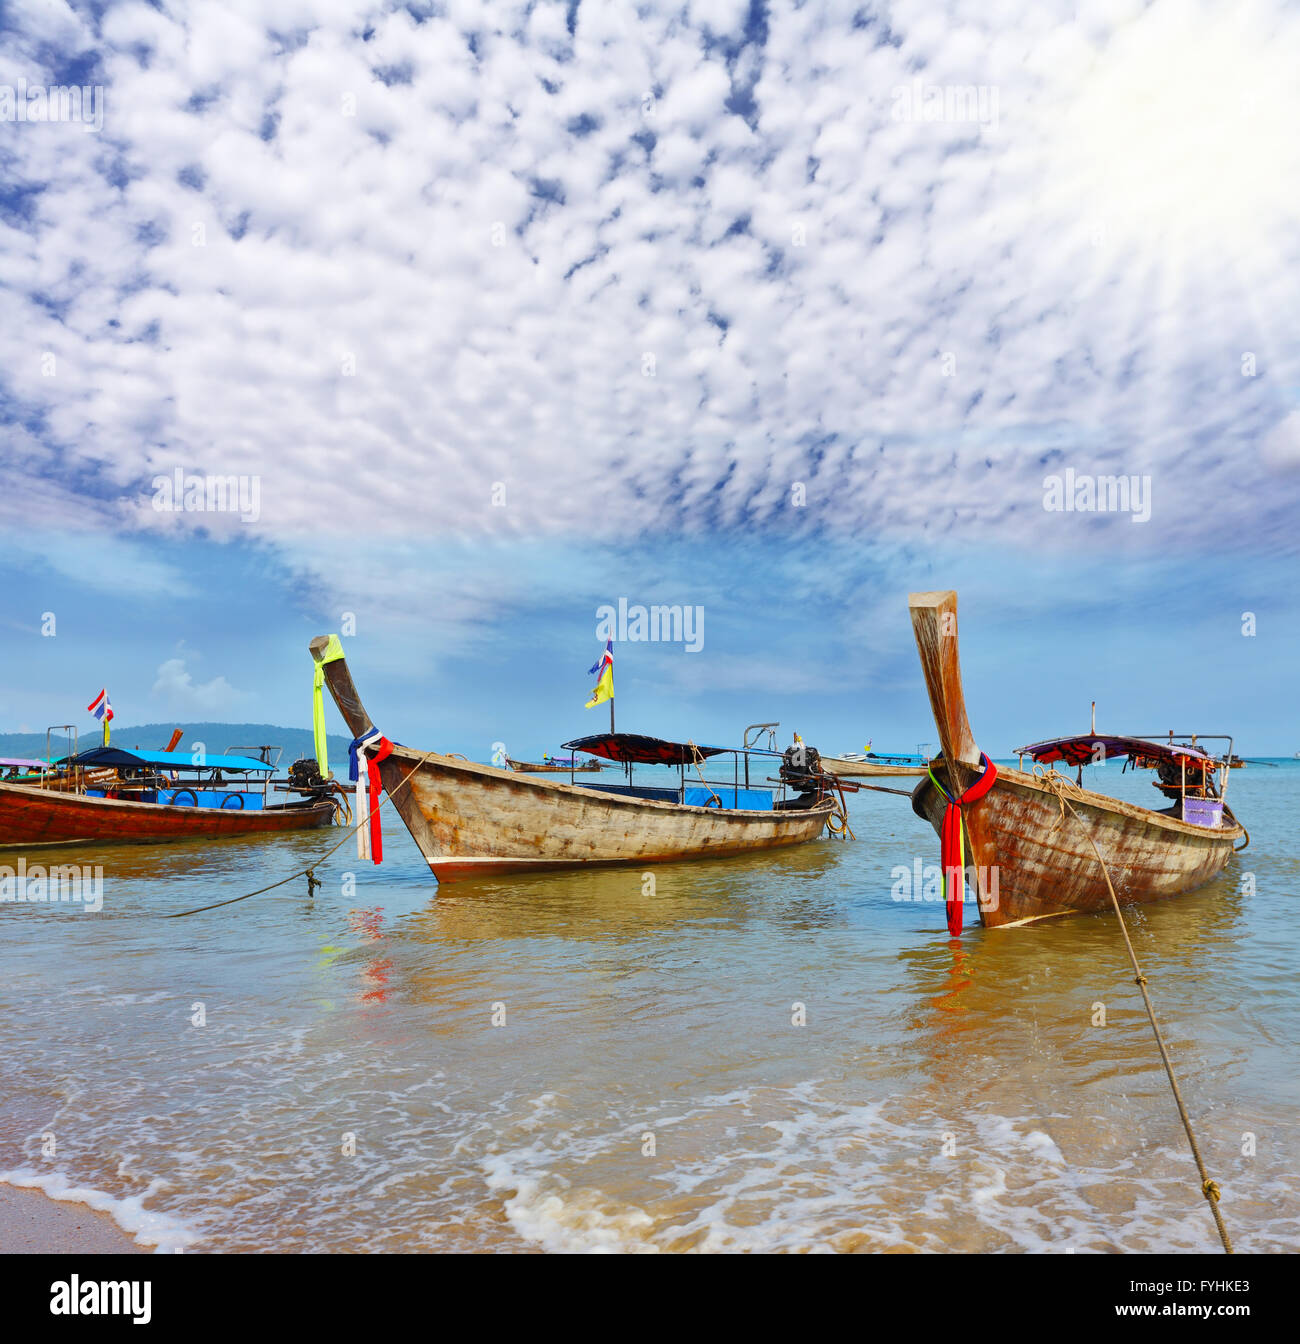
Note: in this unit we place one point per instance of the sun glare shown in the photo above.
(1182, 136)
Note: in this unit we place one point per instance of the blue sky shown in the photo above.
(513, 310)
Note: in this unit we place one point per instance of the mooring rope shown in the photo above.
(310, 872)
(841, 812)
(342, 804)
(696, 757)
(1059, 785)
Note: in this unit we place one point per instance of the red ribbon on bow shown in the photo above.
(952, 839)
(383, 750)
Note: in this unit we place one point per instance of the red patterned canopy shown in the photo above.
(1089, 748)
(640, 750)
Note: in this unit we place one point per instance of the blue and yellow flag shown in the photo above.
(603, 671)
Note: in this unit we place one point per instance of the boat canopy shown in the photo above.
(1091, 747)
(637, 750)
(24, 761)
(117, 757)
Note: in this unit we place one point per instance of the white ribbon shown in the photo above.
(361, 794)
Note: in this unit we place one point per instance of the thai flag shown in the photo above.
(101, 708)
(606, 658)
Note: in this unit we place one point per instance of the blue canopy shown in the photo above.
(116, 757)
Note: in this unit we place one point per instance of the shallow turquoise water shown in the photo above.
(648, 1089)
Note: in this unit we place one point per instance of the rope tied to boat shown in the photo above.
(696, 757)
(952, 837)
(838, 821)
(342, 801)
(307, 872)
(1059, 785)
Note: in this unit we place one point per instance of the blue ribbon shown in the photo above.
(356, 742)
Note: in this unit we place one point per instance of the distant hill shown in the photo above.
(216, 737)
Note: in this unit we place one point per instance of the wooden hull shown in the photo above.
(34, 816)
(533, 768)
(472, 820)
(836, 765)
(1028, 862)
(1023, 839)
(478, 820)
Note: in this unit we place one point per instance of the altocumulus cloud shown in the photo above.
(647, 269)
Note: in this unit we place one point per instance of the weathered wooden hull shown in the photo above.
(534, 768)
(837, 765)
(472, 820)
(1028, 861)
(1023, 837)
(34, 816)
(479, 820)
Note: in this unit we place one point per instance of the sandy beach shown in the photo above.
(31, 1223)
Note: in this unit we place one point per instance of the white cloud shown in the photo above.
(506, 238)
(1282, 446)
(720, 16)
(176, 688)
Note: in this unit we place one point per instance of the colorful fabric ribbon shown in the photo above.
(952, 839)
(332, 652)
(363, 767)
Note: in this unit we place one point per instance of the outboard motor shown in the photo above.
(305, 776)
(801, 769)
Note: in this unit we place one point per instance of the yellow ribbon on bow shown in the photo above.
(332, 652)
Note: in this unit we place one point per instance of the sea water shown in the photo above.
(767, 1053)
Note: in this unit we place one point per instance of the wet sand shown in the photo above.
(31, 1223)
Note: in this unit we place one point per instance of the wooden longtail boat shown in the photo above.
(554, 767)
(866, 767)
(471, 820)
(1028, 855)
(112, 796)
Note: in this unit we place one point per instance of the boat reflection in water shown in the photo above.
(617, 905)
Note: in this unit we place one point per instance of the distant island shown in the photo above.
(216, 737)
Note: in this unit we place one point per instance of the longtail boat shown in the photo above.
(554, 765)
(1024, 841)
(471, 820)
(109, 795)
(861, 765)
(22, 769)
